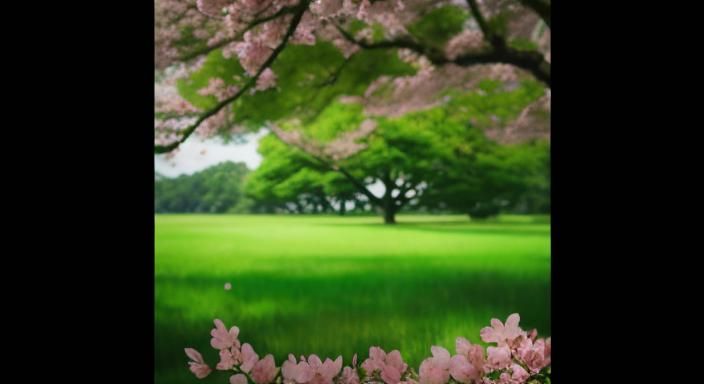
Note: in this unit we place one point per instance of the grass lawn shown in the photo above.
(337, 285)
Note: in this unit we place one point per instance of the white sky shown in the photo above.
(189, 158)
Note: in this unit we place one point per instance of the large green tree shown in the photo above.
(435, 152)
(290, 180)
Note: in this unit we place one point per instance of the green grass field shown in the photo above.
(333, 285)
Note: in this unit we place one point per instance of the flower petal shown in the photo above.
(238, 379)
(194, 355)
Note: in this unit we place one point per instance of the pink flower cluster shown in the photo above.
(516, 357)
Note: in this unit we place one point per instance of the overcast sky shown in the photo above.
(196, 154)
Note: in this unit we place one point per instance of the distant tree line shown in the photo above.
(493, 179)
(217, 189)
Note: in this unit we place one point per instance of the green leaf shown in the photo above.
(355, 26)
(523, 44)
(215, 66)
(309, 78)
(439, 25)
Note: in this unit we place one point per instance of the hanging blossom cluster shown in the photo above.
(172, 113)
(177, 22)
(515, 357)
(251, 29)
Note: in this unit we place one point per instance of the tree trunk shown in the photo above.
(342, 207)
(389, 206)
(389, 216)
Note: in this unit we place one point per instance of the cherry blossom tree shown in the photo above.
(443, 43)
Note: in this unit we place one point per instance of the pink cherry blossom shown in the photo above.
(266, 80)
(273, 32)
(464, 42)
(349, 376)
(435, 370)
(503, 334)
(222, 338)
(197, 365)
(217, 87)
(305, 32)
(513, 365)
(211, 7)
(498, 357)
(252, 53)
(289, 370)
(326, 8)
(519, 375)
(249, 358)
(389, 366)
(473, 353)
(375, 361)
(532, 334)
(314, 371)
(462, 370)
(228, 358)
(238, 379)
(535, 355)
(363, 12)
(264, 370)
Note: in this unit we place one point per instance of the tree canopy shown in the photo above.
(224, 67)
(444, 102)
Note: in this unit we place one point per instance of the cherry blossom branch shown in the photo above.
(208, 49)
(436, 56)
(282, 12)
(300, 9)
(532, 61)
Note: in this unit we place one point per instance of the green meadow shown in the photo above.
(337, 285)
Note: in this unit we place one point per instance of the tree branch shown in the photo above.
(330, 165)
(496, 40)
(335, 74)
(541, 7)
(208, 49)
(361, 187)
(252, 81)
(532, 61)
(431, 53)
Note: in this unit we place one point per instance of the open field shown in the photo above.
(337, 285)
